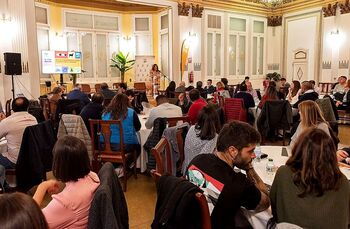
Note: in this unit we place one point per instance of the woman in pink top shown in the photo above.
(71, 165)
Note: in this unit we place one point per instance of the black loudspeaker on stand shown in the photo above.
(13, 67)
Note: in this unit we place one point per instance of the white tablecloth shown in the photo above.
(143, 135)
(275, 152)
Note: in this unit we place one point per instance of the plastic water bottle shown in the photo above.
(257, 152)
(270, 166)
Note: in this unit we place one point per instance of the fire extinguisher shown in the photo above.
(190, 77)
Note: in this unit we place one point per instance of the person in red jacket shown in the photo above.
(197, 104)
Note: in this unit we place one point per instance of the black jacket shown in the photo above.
(108, 208)
(159, 126)
(91, 111)
(306, 96)
(35, 155)
(176, 204)
(276, 114)
(247, 98)
(107, 94)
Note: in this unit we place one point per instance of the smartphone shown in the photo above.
(284, 152)
(263, 155)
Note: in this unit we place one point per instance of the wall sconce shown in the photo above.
(336, 38)
(189, 41)
(127, 38)
(5, 19)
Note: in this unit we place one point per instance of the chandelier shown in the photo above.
(274, 3)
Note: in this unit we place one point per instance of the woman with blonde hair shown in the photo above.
(311, 116)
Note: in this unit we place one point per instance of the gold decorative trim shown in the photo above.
(330, 10)
(197, 11)
(274, 21)
(345, 7)
(184, 10)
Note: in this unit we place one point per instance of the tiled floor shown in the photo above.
(141, 194)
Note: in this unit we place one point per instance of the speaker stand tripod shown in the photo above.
(13, 88)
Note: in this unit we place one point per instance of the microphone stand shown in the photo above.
(165, 77)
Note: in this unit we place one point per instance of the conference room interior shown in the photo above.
(46, 44)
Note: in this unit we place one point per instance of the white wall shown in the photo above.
(336, 48)
(17, 36)
(302, 31)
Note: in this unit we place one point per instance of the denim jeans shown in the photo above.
(5, 163)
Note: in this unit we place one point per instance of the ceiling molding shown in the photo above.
(345, 7)
(184, 9)
(197, 11)
(274, 21)
(330, 10)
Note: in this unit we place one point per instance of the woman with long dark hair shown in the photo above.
(201, 137)
(155, 75)
(294, 91)
(119, 109)
(170, 90)
(310, 191)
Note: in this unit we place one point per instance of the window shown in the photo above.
(214, 44)
(164, 45)
(97, 37)
(258, 50)
(41, 15)
(143, 35)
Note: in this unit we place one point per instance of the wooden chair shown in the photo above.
(181, 146)
(162, 154)
(174, 120)
(97, 87)
(205, 214)
(201, 200)
(45, 105)
(8, 108)
(86, 88)
(106, 154)
(140, 86)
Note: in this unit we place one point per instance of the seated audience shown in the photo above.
(228, 190)
(184, 102)
(201, 138)
(220, 90)
(71, 165)
(18, 210)
(284, 83)
(107, 94)
(247, 97)
(310, 187)
(311, 116)
(340, 87)
(119, 109)
(266, 83)
(12, 129)
(294, 91)
(307, 93)
(92, 110)
(252, 91)
(270, 94)
(122, 87)
(345, 102)
(316, 88)
(210, 89)
(170, 90)
(132, 102)
(163, 110)
(199, 87)
(246, 79)
(56, 95)
(197, 104)
(76, 93)
(181, 87)
(225, 82)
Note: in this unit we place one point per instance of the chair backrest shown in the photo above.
(85, 88)
(97, 87)
(234, 110)
(180, 145)
(140, 86)
(174, 120)
(103, 128)
(205, 214)
(162, 154)
(45, 105)
(326, 108)
(8, 108)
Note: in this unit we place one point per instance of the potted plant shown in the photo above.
(122, 63)
(73, 77)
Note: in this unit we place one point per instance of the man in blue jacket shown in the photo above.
(76, 93)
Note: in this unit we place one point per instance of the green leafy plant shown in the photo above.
(274, 76)
(122, 62)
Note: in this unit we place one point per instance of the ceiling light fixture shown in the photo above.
(274, 3)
